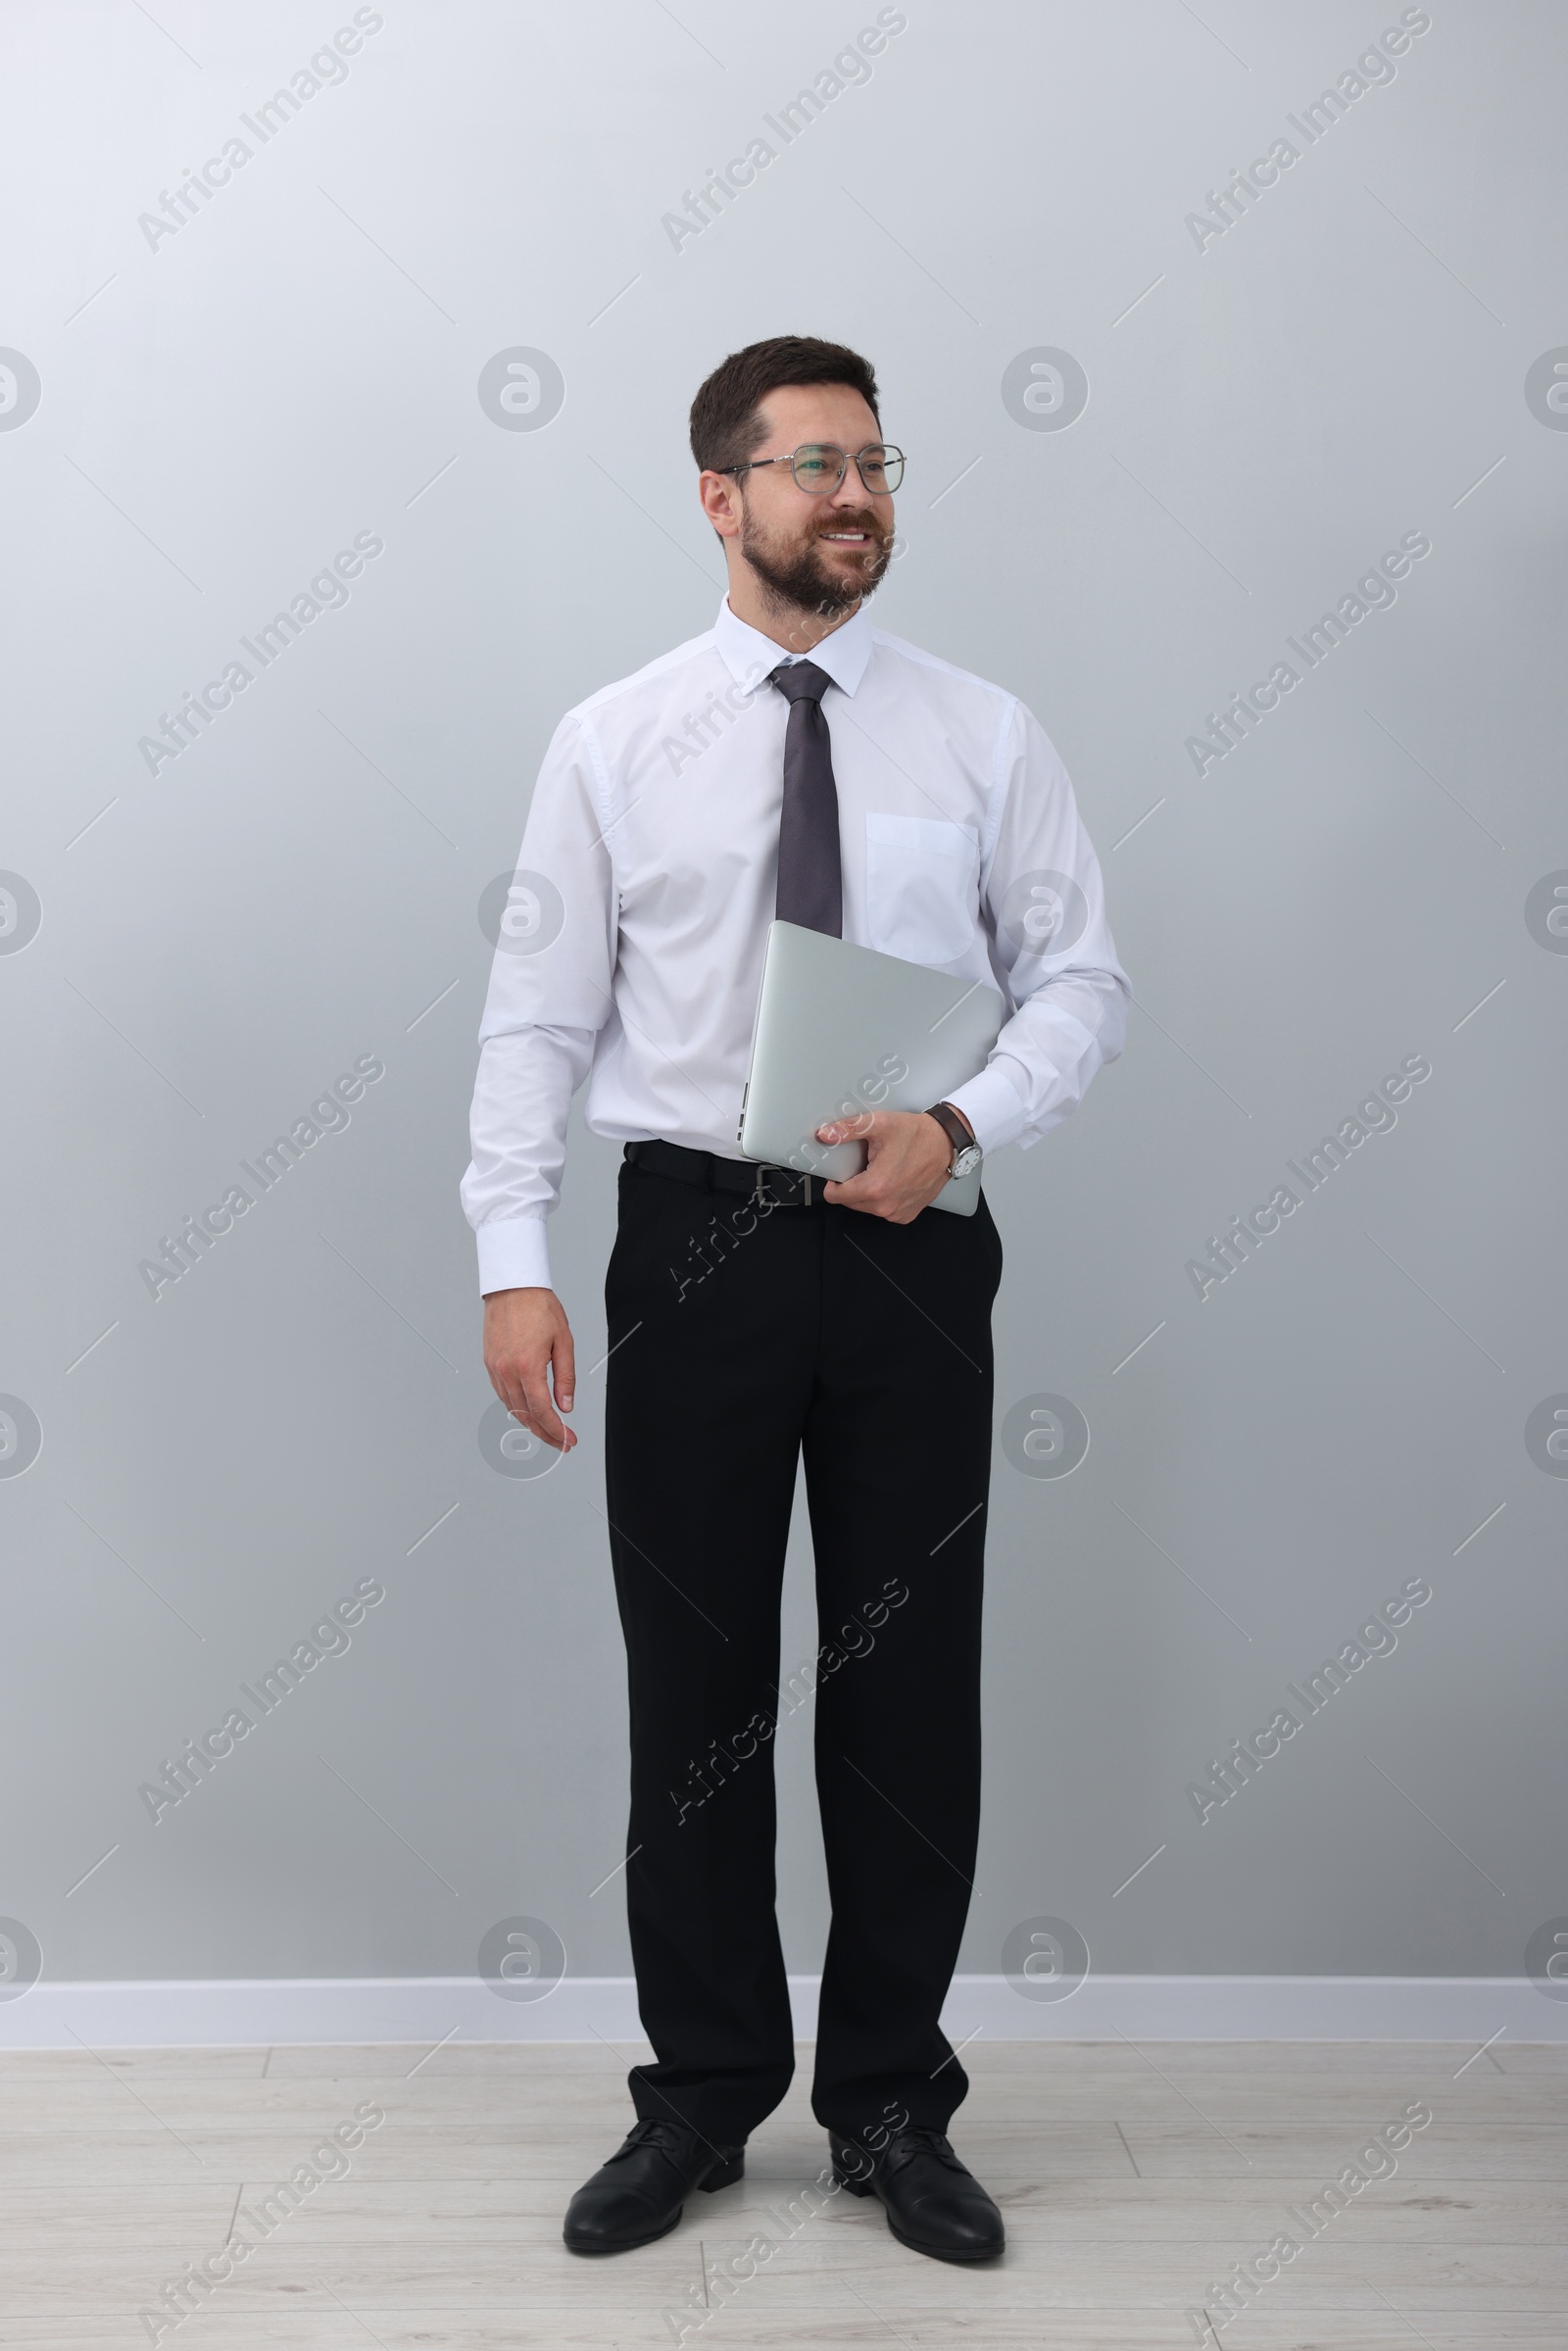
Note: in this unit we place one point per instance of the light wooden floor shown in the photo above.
(1130, 2177)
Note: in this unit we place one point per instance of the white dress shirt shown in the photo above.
(632, 944)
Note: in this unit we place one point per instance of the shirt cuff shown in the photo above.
(992, 1105)
(513, 1255)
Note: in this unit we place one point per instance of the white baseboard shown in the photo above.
(232, 2012)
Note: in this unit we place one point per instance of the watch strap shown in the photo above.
(952, 1126)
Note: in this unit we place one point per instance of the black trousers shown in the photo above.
(741, 1339)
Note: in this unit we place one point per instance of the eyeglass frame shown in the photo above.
(789, 456)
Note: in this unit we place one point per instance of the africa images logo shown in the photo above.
(851, 66)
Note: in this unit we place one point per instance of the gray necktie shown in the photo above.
(810, 874)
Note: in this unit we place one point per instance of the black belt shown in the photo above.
(769, 1186)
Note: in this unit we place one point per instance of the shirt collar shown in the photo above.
(750, 657)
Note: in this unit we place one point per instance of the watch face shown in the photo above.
(967, 1160)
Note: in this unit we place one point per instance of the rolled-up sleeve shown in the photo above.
(549, 997)
(1045, 901)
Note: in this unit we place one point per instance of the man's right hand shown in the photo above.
(525, 1334)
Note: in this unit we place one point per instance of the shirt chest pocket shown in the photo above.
(921, 881)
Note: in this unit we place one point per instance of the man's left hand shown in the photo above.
(907, 1157)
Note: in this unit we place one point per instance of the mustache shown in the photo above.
(865, 520)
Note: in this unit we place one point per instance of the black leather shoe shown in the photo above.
(934, 2204)
(638, 2194)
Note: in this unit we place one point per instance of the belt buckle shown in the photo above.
(762, 1196)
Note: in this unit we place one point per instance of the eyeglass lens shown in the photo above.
(819, 468)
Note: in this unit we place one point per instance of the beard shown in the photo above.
(795, 574)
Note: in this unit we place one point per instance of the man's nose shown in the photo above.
(852, 491)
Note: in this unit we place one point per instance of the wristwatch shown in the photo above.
(966, 1153)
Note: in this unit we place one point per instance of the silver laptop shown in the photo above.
(842, 1029)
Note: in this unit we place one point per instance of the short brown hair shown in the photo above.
(726, 422)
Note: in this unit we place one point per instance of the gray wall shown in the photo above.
(223, 408)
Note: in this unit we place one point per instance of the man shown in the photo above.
(790, 760)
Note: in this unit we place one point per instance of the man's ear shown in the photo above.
(720, 498)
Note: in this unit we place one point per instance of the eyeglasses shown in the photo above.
(818, 467)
